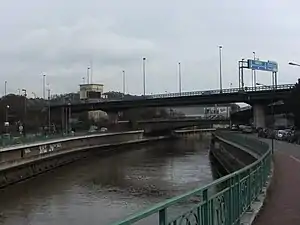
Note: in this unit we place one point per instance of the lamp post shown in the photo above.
(123, 74)
(25, 109)
(49, 110)
(144, 76)
(293, 64)
(179, 77)
(88, 75)
(44, 86)
(69, 118)
(5, 87)
(273, 115)
(220, 61)
(6, 124)
(254, 73)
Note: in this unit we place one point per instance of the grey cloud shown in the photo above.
(60, 37)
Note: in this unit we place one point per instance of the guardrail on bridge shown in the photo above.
(223, 201)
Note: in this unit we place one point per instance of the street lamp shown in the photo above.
(254, 73)
(69, 118)
(293, 64)
(144, 75)
(179, 77)
(273, 116)
(88, 75)
(123, 73)
(220, 59)
(25, 108)
(6, 124)
(44, 86)
(5, 87)
(49, 111)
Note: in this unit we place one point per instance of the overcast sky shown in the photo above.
(59, 38)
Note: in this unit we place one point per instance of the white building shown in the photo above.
(91, 93)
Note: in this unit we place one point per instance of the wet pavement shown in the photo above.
(282, 203)
(105, 188)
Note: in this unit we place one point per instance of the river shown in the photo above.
(104, 188)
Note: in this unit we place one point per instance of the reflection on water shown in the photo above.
(103, 189)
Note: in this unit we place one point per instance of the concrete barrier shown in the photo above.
(186, 133)
(21, 162)
(230, 155)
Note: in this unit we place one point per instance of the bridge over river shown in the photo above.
(104, 188)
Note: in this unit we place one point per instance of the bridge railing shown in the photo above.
(231, 90)
(223, 201)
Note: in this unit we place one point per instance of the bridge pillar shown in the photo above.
(113, 117)
(259, 115)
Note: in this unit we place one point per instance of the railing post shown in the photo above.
(205, 215)
(261, 176)
(249, 188)
(235, 199)
(238, 198)
(231, 201)
(211, 214)
(163, 217)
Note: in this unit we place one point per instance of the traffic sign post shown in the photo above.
(262, 65)
(269, 66)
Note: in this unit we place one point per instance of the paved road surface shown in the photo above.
(282, 206)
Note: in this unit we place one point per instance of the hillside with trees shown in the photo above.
(35, 115)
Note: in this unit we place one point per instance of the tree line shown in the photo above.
(33, 114)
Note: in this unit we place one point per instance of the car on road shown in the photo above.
(263, 133)
(103, 129)
(281, 135)
(247, 129)
(234, 127)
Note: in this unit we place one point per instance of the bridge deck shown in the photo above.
(283, 205)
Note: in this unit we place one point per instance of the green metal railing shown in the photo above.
(223, 201)
(31, 139)
(17, 140)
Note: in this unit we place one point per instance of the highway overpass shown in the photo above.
(251, 96)
(258, 97)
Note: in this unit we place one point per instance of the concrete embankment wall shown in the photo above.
(192, 133)
(230, 155)
(21, 162)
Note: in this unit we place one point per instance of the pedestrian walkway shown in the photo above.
(282, 206)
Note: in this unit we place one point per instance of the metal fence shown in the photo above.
(218, 91)
(222, 202)
(9, 141)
